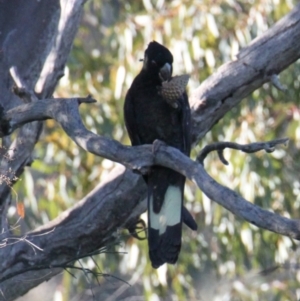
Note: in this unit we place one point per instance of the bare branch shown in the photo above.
(77, 241)
(39, 62)
(65, 112)
(256, 64)
(69, 237)
(39, 51)
(103, 209)
(87, 99)
(268, 146)
(226, 197)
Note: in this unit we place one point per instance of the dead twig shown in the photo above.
(268, 146)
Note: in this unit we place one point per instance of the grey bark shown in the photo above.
(36, 38)
(95, 220)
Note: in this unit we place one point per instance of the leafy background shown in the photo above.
(227, 258)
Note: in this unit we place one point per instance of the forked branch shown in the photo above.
(65, 112)
(103, 209)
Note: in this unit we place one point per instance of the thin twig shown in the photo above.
(276, 83)
(88, 99)
(268, 146)
(86, 273)
(287, 266)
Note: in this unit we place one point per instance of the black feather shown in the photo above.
(149, 117)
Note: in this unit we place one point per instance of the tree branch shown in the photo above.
(39, 50)
(103, 209)
(268, 146)
(264, 58)
(66, 113)
(41, 62)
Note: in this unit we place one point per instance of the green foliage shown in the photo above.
(223, 259)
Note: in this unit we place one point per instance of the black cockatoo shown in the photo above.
(150, 115)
